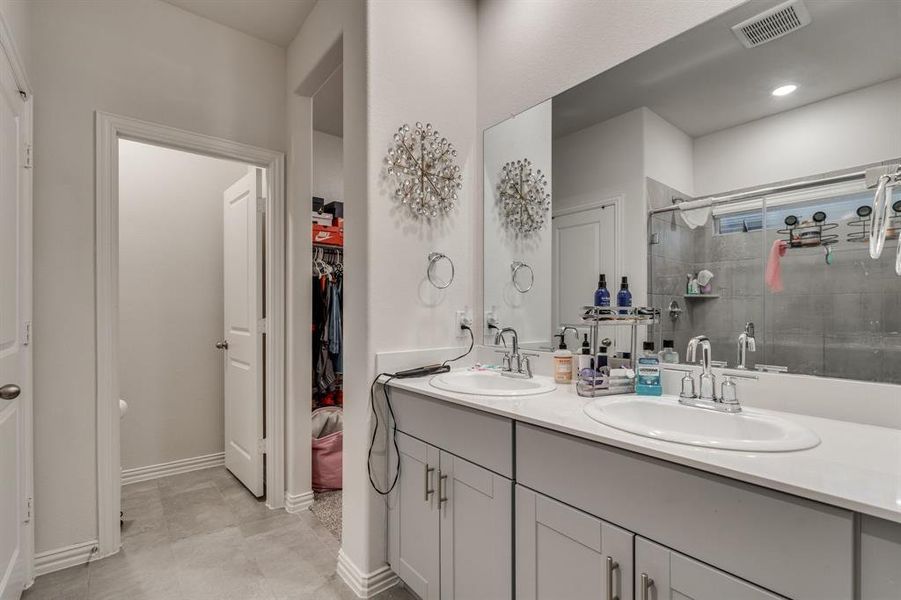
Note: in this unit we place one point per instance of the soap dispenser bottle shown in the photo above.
(563, 362)
(602, 294)
(624, 297)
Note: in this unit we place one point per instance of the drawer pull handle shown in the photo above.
(429, 490)
(646, 584)
(442, 488)
(611, 567)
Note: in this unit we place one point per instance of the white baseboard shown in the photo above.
(295, 503)
(365, 585)
(63, 558)
(172, 468)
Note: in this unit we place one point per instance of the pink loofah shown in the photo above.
(773, 274)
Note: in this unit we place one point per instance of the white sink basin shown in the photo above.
(483, 383)
(665, 419)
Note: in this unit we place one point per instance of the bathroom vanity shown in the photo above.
(529, 498)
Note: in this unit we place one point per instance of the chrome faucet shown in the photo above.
(707, 382)
(746, 342)
(520, 359)
(727, 401)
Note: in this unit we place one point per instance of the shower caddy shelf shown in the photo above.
(862, 225)
(632, 317)
(810, 235)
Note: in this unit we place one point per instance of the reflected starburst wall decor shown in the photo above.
(424, 167)
(523, 198)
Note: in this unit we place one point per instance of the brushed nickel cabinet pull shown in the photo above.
(646, 584)
(611, 567)
(429, 490)
(442, 488)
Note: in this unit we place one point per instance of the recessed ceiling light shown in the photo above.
(785, 90)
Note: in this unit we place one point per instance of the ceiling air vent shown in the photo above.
(772, 24)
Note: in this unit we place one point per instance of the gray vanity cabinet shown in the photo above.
(476, 531)
(450, 526)
(414, 525)
(661, 574)
(565, 554)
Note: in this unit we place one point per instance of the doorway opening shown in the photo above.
(190, 290)
(327, 301)
(190, 312)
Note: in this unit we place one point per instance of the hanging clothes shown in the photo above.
(327, 328)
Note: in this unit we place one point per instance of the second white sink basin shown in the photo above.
(665, 419)
(484, 383)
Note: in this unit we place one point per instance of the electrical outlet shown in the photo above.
(463, 317)
(491, 321)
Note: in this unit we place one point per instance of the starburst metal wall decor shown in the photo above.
(523, 198)
(424, 167)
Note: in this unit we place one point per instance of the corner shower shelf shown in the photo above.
(700, 296)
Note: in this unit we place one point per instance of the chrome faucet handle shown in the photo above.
(688, 386)
(729, 391)
(506, 360)
(719, 364)
(525, 365)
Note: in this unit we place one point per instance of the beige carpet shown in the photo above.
(327, 508)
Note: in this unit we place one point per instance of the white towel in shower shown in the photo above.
(695, 212)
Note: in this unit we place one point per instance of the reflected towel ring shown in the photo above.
(514, 269)
(434, 259)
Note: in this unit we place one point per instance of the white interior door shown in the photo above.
(584, 246)
(15, 357)
(243, 341)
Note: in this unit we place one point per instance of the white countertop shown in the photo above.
(857, 467)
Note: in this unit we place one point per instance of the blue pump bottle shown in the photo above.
(624, 297)
(602, 294)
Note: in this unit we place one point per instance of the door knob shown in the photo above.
(10, 391)
(223, 345)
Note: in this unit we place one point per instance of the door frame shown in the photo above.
(26, 406)
(109, 128)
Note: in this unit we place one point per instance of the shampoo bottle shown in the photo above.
(602, 294)
(563, 363)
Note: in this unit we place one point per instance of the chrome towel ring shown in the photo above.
(514, 270)
(434, 259)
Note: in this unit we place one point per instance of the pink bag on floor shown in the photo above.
(328, 444)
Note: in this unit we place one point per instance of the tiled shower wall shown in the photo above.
(838, 320)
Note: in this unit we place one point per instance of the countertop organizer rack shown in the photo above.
(861, 225)
(810, 235)
(632, 317)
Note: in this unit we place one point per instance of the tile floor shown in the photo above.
(203, 536)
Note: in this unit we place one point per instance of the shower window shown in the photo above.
(839, 201)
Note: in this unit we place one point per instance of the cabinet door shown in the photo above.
(661, 574)
(476, 508)
(413, 518)
(563, 553)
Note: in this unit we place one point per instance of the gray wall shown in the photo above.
(839, 320)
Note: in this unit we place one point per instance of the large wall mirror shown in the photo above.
(729, 174)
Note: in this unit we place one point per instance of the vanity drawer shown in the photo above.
(795, 547)
(479, 437)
